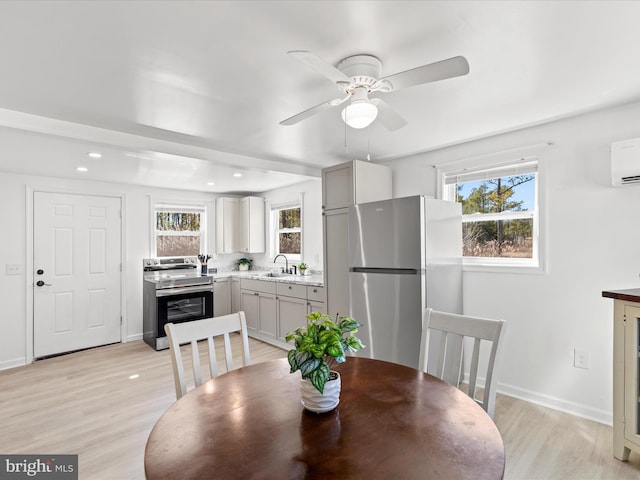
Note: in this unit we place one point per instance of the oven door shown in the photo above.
(177, 305)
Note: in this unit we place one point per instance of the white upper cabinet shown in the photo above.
(227, 212)
(251, 228)
(355, 182)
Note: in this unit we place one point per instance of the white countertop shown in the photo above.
(315, 279)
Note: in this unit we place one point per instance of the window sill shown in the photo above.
(503, 268)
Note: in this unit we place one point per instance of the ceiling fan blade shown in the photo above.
(387, 116)
(452, 67)
(320, 66)
(311, 111)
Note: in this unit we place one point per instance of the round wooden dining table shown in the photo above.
(393, 422)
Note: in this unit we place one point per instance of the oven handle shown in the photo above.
(180, 290)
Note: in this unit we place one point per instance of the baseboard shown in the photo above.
(16, 362)
(133, 338)
(573, 408)
(548, 401)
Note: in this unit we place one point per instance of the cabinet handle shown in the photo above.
(315, 290)
(290, 287)
(256, 293)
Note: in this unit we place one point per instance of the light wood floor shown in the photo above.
(102, 403)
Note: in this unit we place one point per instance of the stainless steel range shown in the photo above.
(174, 292)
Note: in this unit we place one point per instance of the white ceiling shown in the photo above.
(181, 94)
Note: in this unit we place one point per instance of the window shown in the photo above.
(287, 222)
(179, 230)
(500, 209)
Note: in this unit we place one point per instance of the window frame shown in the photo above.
(276, 231)
(182, 207)
(503, 164)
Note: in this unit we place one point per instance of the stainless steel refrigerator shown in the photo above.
(404, 256)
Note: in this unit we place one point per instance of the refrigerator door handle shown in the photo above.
(389, 271)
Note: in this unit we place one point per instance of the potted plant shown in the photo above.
(318, 346)
(302, 267)
(244, 263)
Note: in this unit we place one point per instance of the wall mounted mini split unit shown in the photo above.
(625, 162)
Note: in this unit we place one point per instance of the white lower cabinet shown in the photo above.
(236, 304)
(274, 309)
(291, 315)
(221, 297)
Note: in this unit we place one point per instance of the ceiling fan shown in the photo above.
(359, 75)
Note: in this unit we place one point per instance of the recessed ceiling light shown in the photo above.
(95, 155)
(211, 183)
(237, 174)
(82, 169)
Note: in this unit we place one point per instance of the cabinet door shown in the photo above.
(221, 297)
(291, 315)
(236, 304)
(251, 230)
(267, 319)
(251, 307)
(336, 261)
(632, 374)
(337, 186)
(226, 225)
(316, 307)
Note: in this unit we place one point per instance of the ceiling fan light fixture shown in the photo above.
(359, 114)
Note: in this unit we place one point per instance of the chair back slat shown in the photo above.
(453, 329)
(195, 361)
(206, 329)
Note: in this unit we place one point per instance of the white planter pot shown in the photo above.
(317, 402)
(243, 267)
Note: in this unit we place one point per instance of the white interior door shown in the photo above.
(76, 260)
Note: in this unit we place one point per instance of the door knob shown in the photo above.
(40, 283)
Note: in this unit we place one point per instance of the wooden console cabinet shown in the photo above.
(626, 371)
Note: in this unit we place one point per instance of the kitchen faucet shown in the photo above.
(285, 259)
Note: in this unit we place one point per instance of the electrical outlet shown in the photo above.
(580, 359)
(13, 269)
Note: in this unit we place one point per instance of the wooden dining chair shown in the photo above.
(191, 332)
(453, 330)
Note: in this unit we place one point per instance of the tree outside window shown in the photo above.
(500, 210)
(289, 231)
(496, 220)
(179, 231)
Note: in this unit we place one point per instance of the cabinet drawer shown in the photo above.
(257, 285)
(316, 294)
(291, 290)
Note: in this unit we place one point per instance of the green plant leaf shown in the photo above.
(354, 343)
(319, 377)
(308, 367)
(291, 356)
(301, 357)
(348, 324)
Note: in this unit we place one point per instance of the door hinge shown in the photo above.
(120, 319)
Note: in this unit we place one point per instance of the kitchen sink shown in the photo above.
(276, 275)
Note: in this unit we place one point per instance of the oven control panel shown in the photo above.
(169, 263)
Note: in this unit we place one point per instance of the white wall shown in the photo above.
(592, 245)
(311, 193)
(136, 235)
(14, 241)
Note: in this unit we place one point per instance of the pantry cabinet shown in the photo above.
(344, 185)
